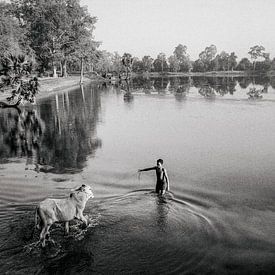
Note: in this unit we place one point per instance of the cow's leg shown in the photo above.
(66, 228)
(47, 233)
(82, 218)
(40, 224)
(44, 227)
(42, 236)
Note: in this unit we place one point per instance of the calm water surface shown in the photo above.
(216, 136)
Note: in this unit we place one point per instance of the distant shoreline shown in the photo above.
(50, 86)
(210, 73)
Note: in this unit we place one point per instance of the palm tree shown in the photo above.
(15, 77)
(127, 61)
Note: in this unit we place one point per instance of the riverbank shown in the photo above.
(50, 85)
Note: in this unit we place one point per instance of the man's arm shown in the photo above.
(167, 180)
(147, 169)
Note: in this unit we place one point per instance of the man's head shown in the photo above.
(159, 161)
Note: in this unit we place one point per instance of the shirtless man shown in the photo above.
(162, 178)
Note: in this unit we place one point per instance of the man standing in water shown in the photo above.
(162, 178)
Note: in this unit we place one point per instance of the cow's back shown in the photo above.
(58, 209)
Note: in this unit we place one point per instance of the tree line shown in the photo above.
(56, 36)
(209, 60)
(53, 35)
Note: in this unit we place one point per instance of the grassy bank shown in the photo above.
(50, 85)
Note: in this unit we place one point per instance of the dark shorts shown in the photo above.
(160, 186)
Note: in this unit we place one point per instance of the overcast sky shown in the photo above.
(148, 27)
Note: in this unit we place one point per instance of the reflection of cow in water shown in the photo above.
(23, 136)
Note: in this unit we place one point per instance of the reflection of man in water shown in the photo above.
(162, 178)
(162, 211)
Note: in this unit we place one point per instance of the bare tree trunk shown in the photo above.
(64, 69)
(61, 68)
(127, 72)
(54, 71)
(81, 70)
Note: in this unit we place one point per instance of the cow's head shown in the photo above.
(84, 190)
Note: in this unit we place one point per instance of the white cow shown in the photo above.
(62, 210)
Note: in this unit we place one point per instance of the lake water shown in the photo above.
(216, 136)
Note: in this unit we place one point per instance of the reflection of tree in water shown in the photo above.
(70, 135)
(208, 86)
(261, 80)
(207, 92)
(128, 97)
(272, 82)
(21, 135)
(255, 93)
(180, 87)
(161, 84)
(220, 85)
(244, 82)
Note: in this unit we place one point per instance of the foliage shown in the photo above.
(207, 56)
(137, 65)
(181, 55)
(104, 62)
(16, 78)
(199, 66)
(244, 65)
(147, 63)
(13, 40)
(174, 63)
(160, 63)
(256, 52)
(59, 33)
(127, 61)
(57, 30)
(116, 62)
(255, 93)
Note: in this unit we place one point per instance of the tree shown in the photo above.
(147, 62)
(224, 60)
(244, 65)
(256, 52)
(79, 35)
(199, 66)
(160, 63)
(216, 63)
(273, 64)
(264, 65)
(174, 63)
(232, 61)
(180, 53)
(12, 38)
(16, 79)
(104, 62)
(137, 65)
(56, 28)
(208, 55)
(117, 65)
(127, 62)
